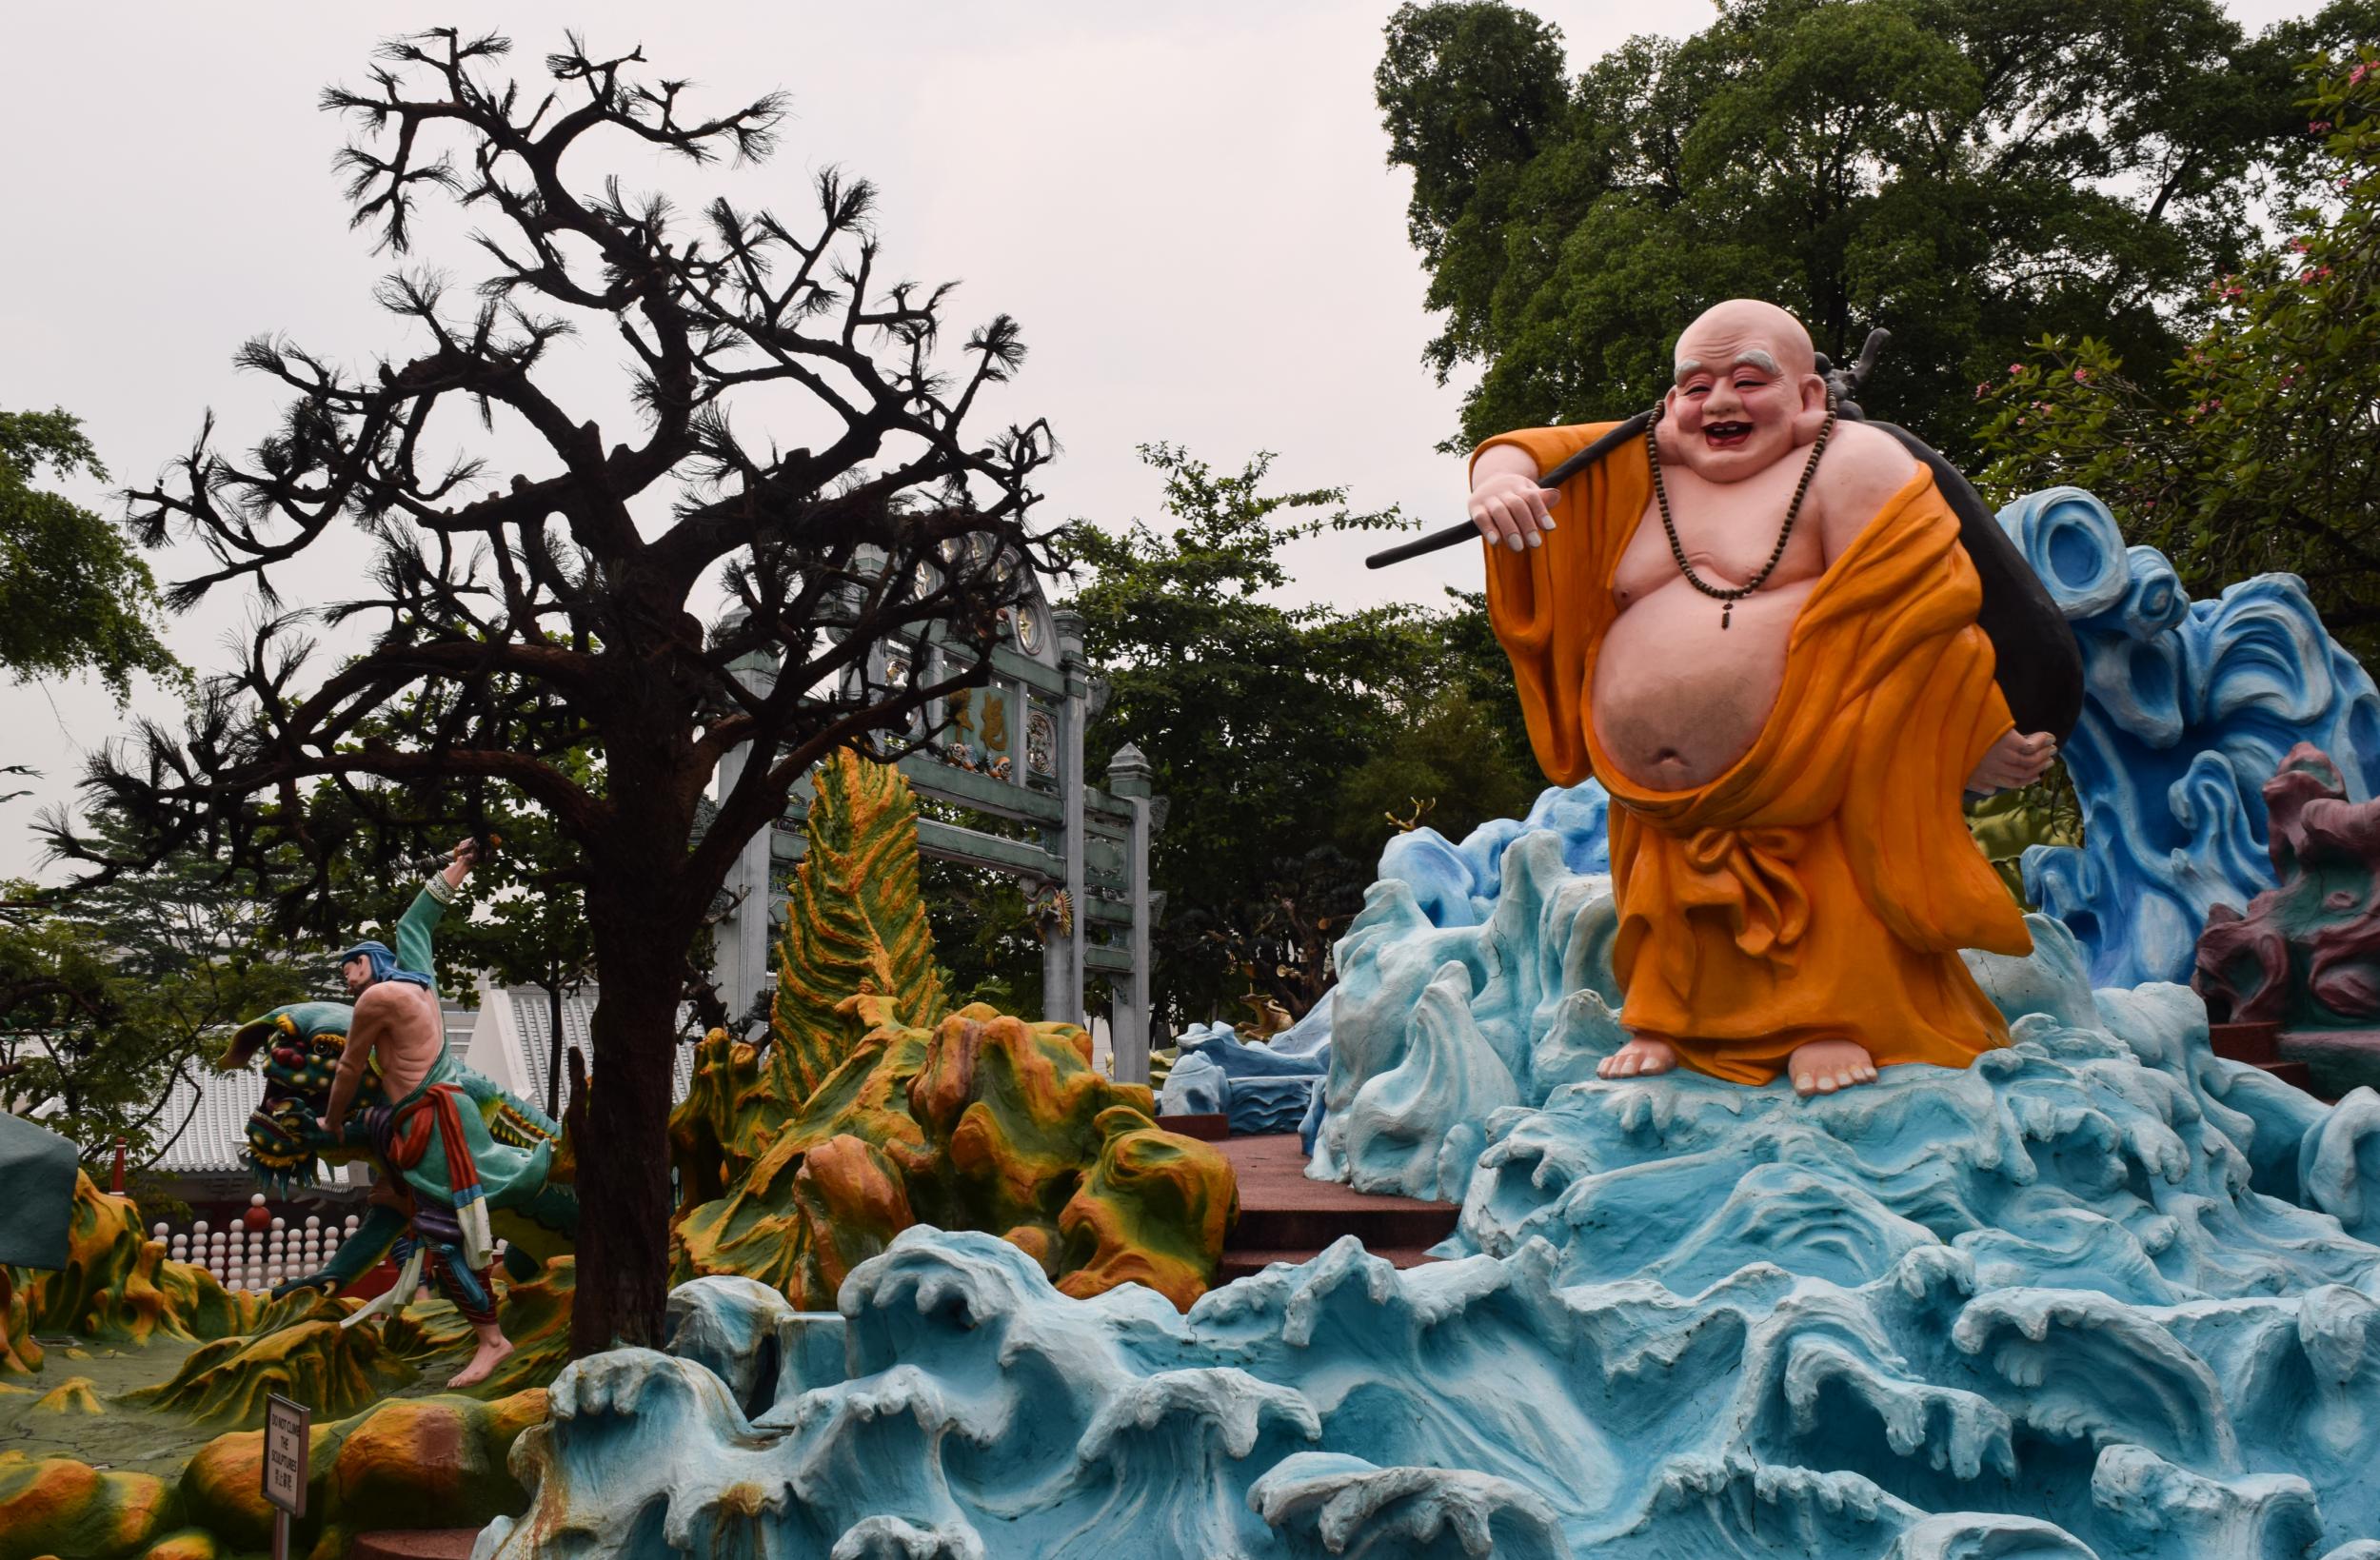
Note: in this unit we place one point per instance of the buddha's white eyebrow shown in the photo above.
(1755, 358)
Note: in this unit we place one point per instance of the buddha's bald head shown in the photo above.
(1746, 391)
(1750, 329)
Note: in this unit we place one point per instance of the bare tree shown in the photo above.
(517, 619)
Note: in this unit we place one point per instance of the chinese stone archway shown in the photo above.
(1012, 749)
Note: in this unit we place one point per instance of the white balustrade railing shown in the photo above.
(244, 1257)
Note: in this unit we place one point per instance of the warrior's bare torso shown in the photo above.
(400, 1026)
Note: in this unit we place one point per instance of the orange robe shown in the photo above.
(1822, 887)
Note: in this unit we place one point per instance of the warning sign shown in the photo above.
(288, 1428)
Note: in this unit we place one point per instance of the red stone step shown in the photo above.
(1285, 1216)
(1211, 1127)
(2255, 1043)
(2297, 1074)
(2261, 1045)
(425, 1544)
(2342, 1060)
(1403, 1222)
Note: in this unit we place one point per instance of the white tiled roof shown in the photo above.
(532, 1022)
(210, 1145)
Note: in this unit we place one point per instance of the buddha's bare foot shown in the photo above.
(1637, 1058)
(491, 1354)
(1823, 1066)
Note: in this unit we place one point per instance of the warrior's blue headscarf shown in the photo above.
(384, 965)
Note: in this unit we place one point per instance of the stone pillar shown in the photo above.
(742, 938)
(1128, 778)
(1062, 998)
(1057, 959)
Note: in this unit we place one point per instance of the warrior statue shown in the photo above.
(452, 1149)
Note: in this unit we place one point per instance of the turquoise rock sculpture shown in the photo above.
(1966, 1399)
(2188, 708)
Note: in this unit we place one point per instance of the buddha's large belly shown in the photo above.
(1678, 699)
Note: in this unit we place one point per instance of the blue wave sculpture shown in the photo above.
(2188, 708)
(1260, 1088)
(1442, 1017)
(1456, 885)
(2066, 1303)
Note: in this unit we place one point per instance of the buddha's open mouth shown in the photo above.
(1726, 435)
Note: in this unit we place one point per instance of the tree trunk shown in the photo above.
(553, 1052)
(623, 1167)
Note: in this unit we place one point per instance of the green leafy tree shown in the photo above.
(528, 925)
(2255, 448)
(984, 936)
(66, 1050)
(1965, 173)
(1450, 769)
(1256, 717)
(115, 991)
(74, 595)
(199, 954)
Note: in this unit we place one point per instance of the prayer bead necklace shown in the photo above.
(1730, 595)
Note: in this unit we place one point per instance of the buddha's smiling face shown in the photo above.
(1747, 391)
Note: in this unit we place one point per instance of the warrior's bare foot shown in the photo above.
(1639, 1057)
(1823, 1066)
(491, 1354)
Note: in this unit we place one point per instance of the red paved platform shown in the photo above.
(1286, 1217)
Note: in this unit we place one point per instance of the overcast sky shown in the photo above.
(1186, 206)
